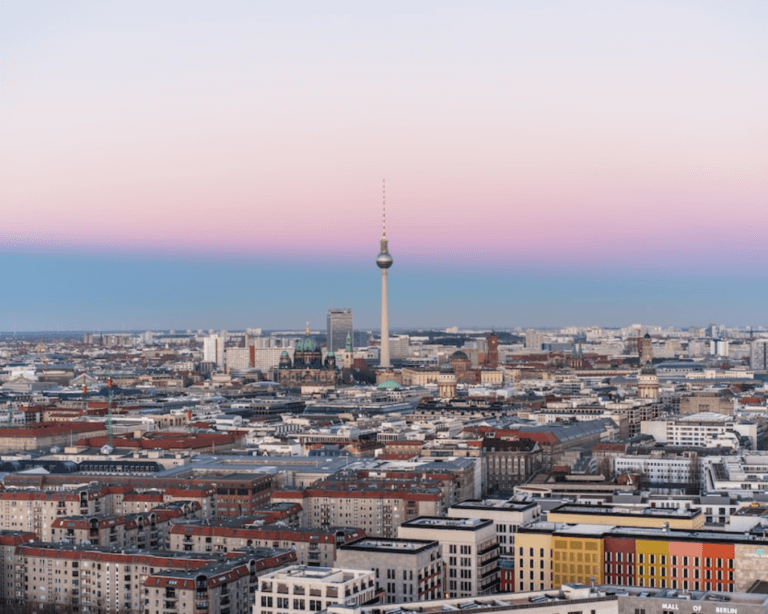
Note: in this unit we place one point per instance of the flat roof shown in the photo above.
(458, 524)
(402, 546)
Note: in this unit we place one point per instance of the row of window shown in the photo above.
(628, 557)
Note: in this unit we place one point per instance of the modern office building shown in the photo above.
(507, 516)
(552, 554)
(340, 324)
(407, 569)
(469, 548)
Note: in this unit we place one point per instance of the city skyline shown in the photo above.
(547, 165)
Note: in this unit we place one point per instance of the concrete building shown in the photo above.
(758, 355)
(213, 350)
(555, 554)
(340, 326)
(36, 510)
(575, 599)
(406, 569)
(94, 580)
(377, 509)
(736, 475)
(621, 516)
(241, 359)
(673, 470)
(9, 540)
(469, 549)
(313, 547)
(507, 516)
(705, 430)
(299, 589)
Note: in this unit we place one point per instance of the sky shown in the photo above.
(220, 165)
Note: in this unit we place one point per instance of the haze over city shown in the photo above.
(182, 164)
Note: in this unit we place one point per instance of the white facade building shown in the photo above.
(704, 430)
(300, 589)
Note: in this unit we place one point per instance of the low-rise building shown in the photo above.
(298, 589)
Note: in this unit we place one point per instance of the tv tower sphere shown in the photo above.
(384, 259)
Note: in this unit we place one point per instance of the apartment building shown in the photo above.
(93, 580)
(507, 516)
(313, 547)
(406, 569)
(378, 510)
(299, 589)
(224, 587)
(35, 510)
(9, 540)
(469, 549)
(140, 531)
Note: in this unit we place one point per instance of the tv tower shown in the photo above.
(384, 261)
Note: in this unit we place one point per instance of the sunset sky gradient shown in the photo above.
(198, 164)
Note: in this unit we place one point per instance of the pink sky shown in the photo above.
(512, 132)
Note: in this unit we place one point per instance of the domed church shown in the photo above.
(308, 366)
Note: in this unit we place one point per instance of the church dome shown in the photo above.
(307, 353)
(458, 355)
(307, 344)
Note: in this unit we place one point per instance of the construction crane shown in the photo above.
(44, 360)
(85, 403)
(110, 436)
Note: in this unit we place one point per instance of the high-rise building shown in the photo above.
(384, 261)
(492, 352)
(758, 355)
(340, 324)
(213, 349)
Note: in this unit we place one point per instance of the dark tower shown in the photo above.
(492, 357)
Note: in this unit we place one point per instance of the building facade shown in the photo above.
(469, 549)
(406, 569)
(340, 326)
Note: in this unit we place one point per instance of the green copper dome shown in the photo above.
(389, 384)
(307, 344)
